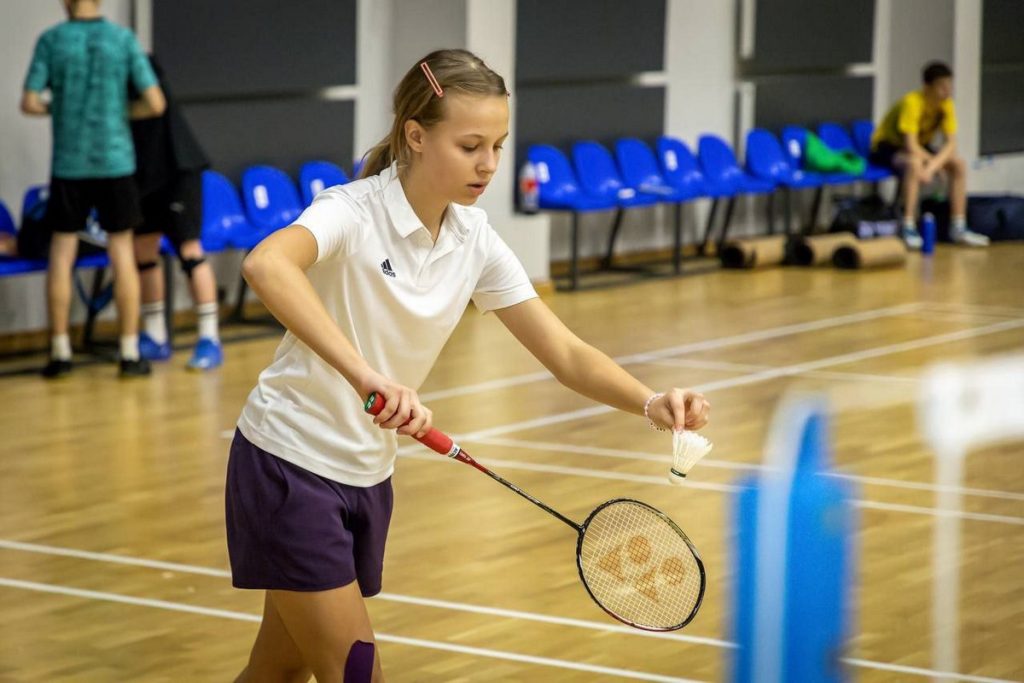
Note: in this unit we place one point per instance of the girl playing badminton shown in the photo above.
(370, 281)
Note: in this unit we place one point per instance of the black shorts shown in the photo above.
(290, 529)
(175, 210)
(884, 155)
(116, 201)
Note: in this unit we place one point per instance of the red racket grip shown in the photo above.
(435, 439)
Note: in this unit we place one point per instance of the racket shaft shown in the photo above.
(438, 441)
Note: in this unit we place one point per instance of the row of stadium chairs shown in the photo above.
(269, 201)
(672, 174)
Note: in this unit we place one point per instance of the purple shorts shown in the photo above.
(290, 529)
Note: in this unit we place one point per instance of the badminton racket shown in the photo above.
(635, 562)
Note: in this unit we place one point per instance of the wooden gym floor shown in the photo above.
(113, 564)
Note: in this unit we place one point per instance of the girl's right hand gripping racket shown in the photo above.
(635, 562)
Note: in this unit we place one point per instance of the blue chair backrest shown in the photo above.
(555, 177)
(270, 198)
(862, 132)
(6, 221)
(765, 157)
(596, 169)
(793, 139)
(316, 175)
(717, 160)
(223, 214)
(678, 165)
(33, 196)
(638, 163)
(836, 137)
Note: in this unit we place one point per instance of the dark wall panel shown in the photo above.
(801, 34)
(1002, 110)
(283, 133)
(810, 100)
(561, 115)
(1001, 26)
(1002, 77)
(560, 40)
(231, 47)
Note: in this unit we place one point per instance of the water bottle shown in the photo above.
(927, 234)
(529, 190)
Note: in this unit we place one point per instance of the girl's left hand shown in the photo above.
(680, 409)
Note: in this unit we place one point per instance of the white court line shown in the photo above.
(707, 486)
(385, 597)
(747, 367)
(724, 464)
(382, 637)
(917, 671)
(762, 376)
(449, 647)
(704, 345)
(1007, 311)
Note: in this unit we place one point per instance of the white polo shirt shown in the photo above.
(397, 296)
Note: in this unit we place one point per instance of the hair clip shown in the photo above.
(430, 79)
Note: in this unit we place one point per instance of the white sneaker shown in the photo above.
(912, 237)
(969, 238)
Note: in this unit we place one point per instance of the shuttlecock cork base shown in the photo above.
(687, 449)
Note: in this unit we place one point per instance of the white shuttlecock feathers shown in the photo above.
(687, 450)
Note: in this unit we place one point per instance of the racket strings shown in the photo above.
(639, 566)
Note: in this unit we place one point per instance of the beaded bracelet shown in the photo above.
(647, 405)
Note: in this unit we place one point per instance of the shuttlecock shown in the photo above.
(687, 450)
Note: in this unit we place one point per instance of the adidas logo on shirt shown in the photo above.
(385, 267)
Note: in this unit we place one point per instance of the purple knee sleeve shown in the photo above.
(359, 665)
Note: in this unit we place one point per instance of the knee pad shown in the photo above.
(359, 665)
(147, 265)
(190, 264)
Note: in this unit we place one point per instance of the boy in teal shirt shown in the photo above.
(87, 63)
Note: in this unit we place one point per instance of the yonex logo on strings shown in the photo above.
(639, 552)
(385, 267)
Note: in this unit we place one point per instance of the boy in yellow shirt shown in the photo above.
(904, 141)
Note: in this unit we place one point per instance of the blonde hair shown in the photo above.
(456, 72)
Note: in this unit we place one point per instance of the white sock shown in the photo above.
(153, 321)
(958, 224)
(208, 314)
(909, 224)
(60, 347)
(129, 347)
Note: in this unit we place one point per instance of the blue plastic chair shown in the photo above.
(640, 170)
(680, 167)
(34, 195)
(559, 190)
(225, 223)
(96, 298)
(270, 198)
(862, 132)
(224, 218)
(723, 175)
(314, 176)
(600, 177)
(836, 137)
(767, 160)
(793, 140)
